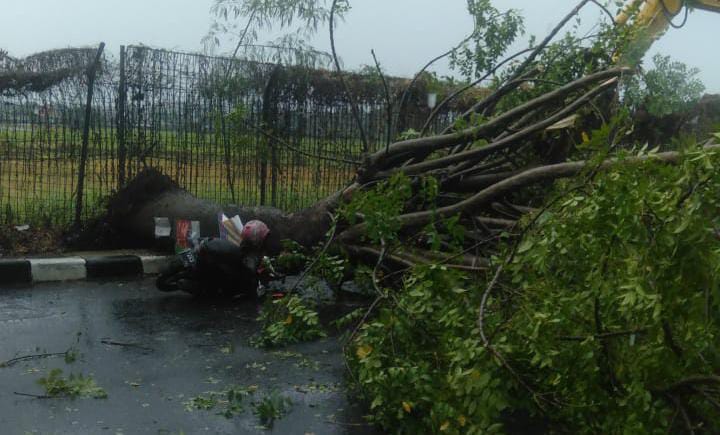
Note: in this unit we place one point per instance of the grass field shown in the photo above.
(39, 166)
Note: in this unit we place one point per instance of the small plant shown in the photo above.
(203, 403)
(234, 401)
(73, 386)
(229, 402)
(71, 355)
(288, 320)
(271, 408)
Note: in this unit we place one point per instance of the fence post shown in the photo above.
(274, 162)
(121, 122)
(269, 120)
(91, 72)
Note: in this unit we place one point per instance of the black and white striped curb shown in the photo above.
(36, 270)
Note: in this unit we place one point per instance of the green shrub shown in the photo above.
(292, 259)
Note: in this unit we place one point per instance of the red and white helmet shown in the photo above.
(255, 232)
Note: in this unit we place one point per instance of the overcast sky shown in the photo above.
(405, 34)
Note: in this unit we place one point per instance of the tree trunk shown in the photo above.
(129, 221)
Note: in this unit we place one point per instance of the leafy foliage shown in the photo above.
(606, 318)
(56, 385)
(292, 258)
(670, 87)
(288, 320)
(569, 58)
(494, 32)
(331, 268)
(231, 402)
(327, 266)
(348, 319)
(71, 355)
(299, 20)
(619, 297)
(421, 365)
(409, 134)
(379, 208)
(363, 279)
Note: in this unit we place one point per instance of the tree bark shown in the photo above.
(129, 221)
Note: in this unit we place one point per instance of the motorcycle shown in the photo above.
(218, 268)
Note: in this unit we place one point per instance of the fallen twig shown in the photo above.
(13, 361)
(34, 396)
(117, 343)
(339, 423)
(604, 335)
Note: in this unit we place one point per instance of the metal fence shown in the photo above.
(42, 118)
(234, 132)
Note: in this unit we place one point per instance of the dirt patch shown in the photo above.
(30, 241)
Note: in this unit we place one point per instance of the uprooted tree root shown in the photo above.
(129, 218)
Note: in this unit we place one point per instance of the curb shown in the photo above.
(36, 270)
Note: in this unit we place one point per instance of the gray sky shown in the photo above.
(405, 35)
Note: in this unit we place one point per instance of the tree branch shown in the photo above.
(449, 98)
(491, 100)
(434, 143)
(388, 101)
(504, 143)
(515, 183)
(13, 361)
(692, 381)
(406, 92)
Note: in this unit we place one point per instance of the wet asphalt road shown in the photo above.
(152, 352)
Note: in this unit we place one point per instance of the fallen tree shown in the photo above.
(480, 173)
(459, 161)
(486, 148)
(129, 220)
(501, 294)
